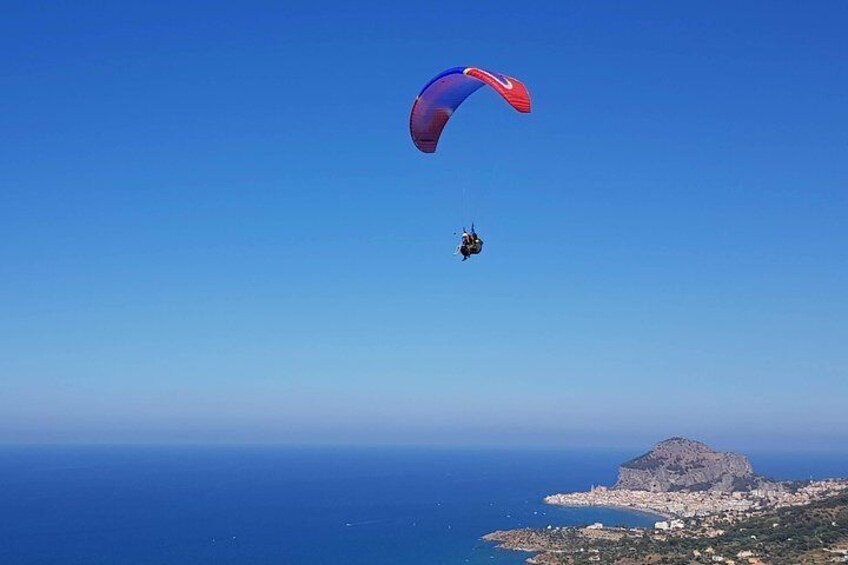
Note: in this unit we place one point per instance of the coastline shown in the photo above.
(704, 506)
(815, 532)
(647, 512)
(702, 522)
(699, 504)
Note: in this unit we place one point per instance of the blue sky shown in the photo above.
(214, 226)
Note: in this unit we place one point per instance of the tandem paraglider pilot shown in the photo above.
(471, 244)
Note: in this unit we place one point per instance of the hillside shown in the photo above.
(683, 464)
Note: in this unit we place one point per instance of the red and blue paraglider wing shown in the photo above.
(443, 95)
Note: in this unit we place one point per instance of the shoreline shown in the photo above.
(622, 508)
(698, 504)
(700, 519)
(639, 510)
(762, 537)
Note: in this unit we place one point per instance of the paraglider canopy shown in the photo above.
(443, 95)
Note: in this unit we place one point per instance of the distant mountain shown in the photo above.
(683, 464)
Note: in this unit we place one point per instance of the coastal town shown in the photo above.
(726, 506)
(713, 509)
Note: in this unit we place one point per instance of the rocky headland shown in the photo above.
(683, 464)
(683, 478)
(716, 509)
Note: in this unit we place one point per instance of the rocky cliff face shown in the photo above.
(683, 464)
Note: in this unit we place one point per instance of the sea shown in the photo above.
(144, 505)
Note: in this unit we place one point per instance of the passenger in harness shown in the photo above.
(471, 243)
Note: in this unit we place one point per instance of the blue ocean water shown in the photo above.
(273, 505)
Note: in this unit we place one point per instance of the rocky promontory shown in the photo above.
(682, 478)
(682, 464)
(715, 509)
